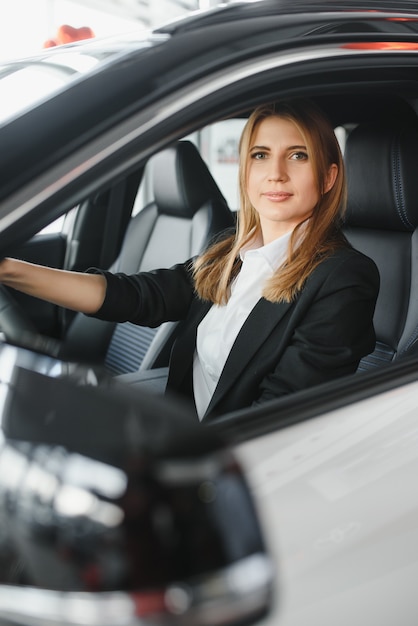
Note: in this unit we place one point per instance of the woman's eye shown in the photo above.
(258, 155)
(299, 156)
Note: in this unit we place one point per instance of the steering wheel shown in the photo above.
(19, 329)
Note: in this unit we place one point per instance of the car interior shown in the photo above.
(164, 223)
(186, 212)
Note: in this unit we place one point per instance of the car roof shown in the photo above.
(252, 9)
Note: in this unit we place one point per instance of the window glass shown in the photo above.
(341, 134)
(55, 226)
(23, 83)
(218, 146)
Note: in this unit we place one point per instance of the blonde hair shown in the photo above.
(215, 269)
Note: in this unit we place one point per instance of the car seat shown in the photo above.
(187, 211)
(381, 221)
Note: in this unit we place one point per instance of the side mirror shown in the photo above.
(119, 508)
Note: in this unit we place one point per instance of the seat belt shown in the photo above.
(114, 228)
(119, 211)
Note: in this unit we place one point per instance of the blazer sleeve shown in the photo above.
(147, 298)
(333, 334)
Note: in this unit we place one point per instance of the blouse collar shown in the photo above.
(274, 252)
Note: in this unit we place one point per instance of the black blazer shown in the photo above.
(281, 347)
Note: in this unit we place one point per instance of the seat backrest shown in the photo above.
(381, 221)
(187, 211)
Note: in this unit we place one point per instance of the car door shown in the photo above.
(338, 504)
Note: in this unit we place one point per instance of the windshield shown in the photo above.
(24, 82)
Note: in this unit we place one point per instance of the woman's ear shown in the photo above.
(331, 177)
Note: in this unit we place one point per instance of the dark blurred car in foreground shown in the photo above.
(115, 507)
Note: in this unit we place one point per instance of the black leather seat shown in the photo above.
(187, 211)
(381, 221)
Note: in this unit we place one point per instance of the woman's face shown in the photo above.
(281, 183)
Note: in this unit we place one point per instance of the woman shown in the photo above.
(281, 304)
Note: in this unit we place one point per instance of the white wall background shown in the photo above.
(26, 24)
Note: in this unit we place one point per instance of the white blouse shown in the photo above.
(218, 330)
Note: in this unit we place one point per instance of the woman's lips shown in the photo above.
(277, 196)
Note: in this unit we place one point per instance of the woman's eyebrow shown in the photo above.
(297, 148)
(288, 148)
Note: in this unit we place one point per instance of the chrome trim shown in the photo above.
(67, 171)
(220, 598)
(180, 472)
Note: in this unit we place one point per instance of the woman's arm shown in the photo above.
(72, 290)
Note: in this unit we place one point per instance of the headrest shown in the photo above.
(182, 182)
(382, 172)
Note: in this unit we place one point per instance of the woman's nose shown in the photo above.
(277, 170)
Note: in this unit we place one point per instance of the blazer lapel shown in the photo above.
(183, 352)
(264, 317)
